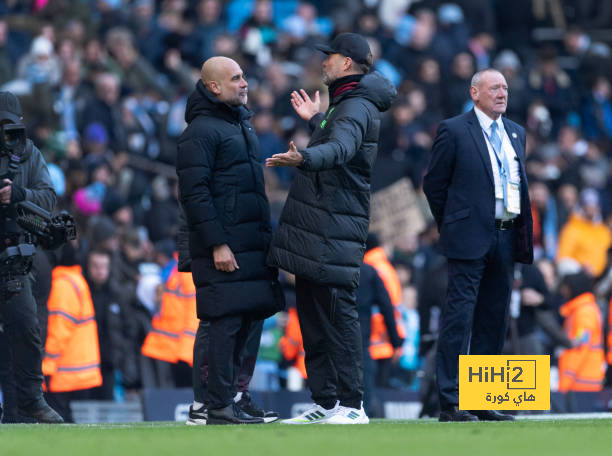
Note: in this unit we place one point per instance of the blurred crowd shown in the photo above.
(104, 84)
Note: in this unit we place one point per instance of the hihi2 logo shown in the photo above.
(488, 382)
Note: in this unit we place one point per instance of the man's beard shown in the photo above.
(238, 101)
(327, 79)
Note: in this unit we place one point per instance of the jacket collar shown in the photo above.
(486, 122)
(476, 132)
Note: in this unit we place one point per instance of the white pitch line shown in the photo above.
(567, 416)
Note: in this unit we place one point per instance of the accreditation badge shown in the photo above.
(514, 197)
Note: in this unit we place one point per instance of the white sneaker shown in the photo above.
(315, 414)
(348, 415)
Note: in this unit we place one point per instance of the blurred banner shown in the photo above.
(396, 212)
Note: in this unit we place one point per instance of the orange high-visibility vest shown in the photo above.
(190, 318)
(582, 368)
(291, 344)
(72, 353)
(380, 347)
(168, 325)
(609, 358)
(585, 242)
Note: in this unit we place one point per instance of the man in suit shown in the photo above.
(476, 187)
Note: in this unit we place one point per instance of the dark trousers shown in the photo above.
(384, 368)
(60, 402)
(106, 391)
(20, 324)
(244, 369)
(226, 341)
(475, 316)
(332, 341)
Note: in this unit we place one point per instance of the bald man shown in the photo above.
(221, 191)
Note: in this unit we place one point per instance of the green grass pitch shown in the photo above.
(584, 437)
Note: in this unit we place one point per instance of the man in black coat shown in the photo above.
(198, 412)
(476, 187)
(324, 225)
(24, 178)
(222, 193)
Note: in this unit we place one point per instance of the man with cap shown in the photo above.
(324, 225)
(23, 177)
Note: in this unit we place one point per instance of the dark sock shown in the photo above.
(328, 405)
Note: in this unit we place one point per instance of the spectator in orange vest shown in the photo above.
(581, 368)
(372, 297)
(609, 344)
(174, 325)
(291, 344)
(585, 239)
(71, 362)
(382, 350)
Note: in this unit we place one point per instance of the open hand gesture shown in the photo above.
(290, 158)
(303, 105)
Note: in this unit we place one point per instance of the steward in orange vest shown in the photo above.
(581, 368)
(609, 346)
(291, 344)
(380, 345)
(72, 355)
(173, 328)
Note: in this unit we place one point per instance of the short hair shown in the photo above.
(365, 67)
(578, 283)
(478, 76)
(99, 251)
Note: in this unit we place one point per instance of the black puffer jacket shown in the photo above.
(324, 225)
(222, 194)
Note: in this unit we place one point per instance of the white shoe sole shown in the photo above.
(196, 422)
(271, 419)
(365, 420)
(290, 421)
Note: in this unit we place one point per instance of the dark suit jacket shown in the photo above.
(460, 190)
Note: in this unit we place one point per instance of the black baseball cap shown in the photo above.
(349, 45)
(10, 108)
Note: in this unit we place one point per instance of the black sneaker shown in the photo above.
(44, 414)
(247, 404)
(197, 417)
(232, 414)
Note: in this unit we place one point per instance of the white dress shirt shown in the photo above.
(507, 149)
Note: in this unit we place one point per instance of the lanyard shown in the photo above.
(502, 163)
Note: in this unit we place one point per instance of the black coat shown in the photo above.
(110, 317)
(221, 189)
(322, 230)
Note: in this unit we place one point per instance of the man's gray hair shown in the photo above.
(478, 76)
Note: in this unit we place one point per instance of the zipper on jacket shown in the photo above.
(332, 304)
(317, 184)
(244, 130)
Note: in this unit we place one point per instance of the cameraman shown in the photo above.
(23, 177)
